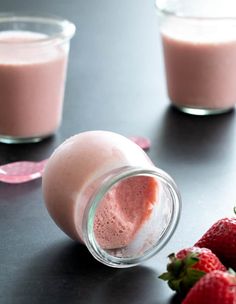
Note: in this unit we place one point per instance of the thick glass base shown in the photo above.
(21, 140)
(202, 111)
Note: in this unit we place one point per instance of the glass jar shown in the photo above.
(199, 45)
(33, 61)
(103, 190)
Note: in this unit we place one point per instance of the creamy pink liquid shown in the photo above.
(200, 72)
(70, 179)
(124, 210)
(32, 81)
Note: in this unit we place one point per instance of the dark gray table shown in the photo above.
(115, 82)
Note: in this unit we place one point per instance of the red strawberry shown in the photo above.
(216, 287)
(221, 239)
(188, 266)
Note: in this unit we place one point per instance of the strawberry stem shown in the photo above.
(180, 275)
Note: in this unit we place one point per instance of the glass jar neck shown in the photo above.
(166, 212)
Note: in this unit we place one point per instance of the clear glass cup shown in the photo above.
(152, 236)
(33, 62)
(103, 190)
(199, 45)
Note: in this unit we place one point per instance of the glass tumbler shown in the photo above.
(103, 190)
(199, 45)
(33, 62)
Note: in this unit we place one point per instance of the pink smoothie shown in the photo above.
(32, 78)
(201, 70)
(74, 172)
(124, 210)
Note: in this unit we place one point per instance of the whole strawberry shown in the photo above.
(221, 239)
(188, 266)
(216, 287)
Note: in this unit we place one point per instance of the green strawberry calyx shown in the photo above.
(181, 275)
(231, 271)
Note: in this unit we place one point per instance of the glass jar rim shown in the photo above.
(90, 211)
(161, 9)
(66, 32)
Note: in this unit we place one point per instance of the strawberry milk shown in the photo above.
(103, 190)
(200, 68)
(124, 210)
(77, 164)
(32, 80)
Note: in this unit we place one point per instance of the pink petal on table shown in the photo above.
(142, 142)
(21, 171)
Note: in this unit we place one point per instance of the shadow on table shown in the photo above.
(12, 193)
(186, 137)
(31, 151)
(67, 273)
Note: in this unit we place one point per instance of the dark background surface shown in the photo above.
(115, 82)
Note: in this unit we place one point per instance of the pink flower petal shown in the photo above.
(142, 142)
(22, 171)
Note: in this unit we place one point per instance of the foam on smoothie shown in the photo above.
(124, 210)
(28, 51)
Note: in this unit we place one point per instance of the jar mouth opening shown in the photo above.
(63, 29)
(107, 257)
(163, 10)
